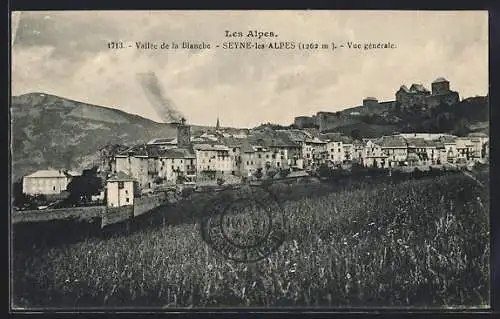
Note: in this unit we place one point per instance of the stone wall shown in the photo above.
(115, 215)
(62, 213)
(147, 203)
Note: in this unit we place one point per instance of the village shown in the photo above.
(227, 156)
(216, 157)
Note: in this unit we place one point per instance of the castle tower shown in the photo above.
(183, 134)
(370, 102)
(217, 126)
(440, 86)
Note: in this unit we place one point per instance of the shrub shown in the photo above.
(284, 172)
(220, 181)
(258, 173)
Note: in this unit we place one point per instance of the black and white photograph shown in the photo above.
(274, 159)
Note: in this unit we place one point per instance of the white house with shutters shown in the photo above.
(120, 190)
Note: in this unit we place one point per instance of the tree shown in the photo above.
(324, 171)
(258, 173)
(271, 173)
(21, 199)
(81, 188)
(220, 181)
(186, 192)
(284, 172)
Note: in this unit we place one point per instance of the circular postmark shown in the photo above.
(244, 227)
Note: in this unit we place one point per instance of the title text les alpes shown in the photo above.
(250, 34)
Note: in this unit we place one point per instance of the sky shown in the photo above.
(66, 54)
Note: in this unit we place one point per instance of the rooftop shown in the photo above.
(49, 173)
(176, 153)
(478, 134)
(163, 140)
(439, 80)
(120, 177)
(416, 87)
(210, 147)
(391, 141)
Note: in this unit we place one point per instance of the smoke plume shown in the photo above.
(163, 106)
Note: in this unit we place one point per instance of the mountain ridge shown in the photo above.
(52, 131)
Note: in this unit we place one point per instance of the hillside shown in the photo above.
(469, 115)
(50, 131)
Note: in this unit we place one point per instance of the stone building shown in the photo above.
(183, 134)
(47, 182)
(414, 96)
(441, 93)
(418, 96)
(305, 121)
(120, 190)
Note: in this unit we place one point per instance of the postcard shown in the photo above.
(249, 159)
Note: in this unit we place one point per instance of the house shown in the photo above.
(348, 146)
(465, 149)
(213, 157)
(137, 163)
(358, 148)
(259, 154)
(450, 148)
(120, 190)
(335, 151)
(310, 146)
(395, 148)
(234, 145)
(373, 155)
(107, 155)
(413, 159)
(298, 138)
(47, 182)
(426, 150)
(175, 163)
(478, 141)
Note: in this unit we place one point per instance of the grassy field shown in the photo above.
(385, 244)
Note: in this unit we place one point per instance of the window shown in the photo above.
(260, 156)
(126, 192)
(234, 150)
(54, 188)
(127, 200)
(120, 185)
